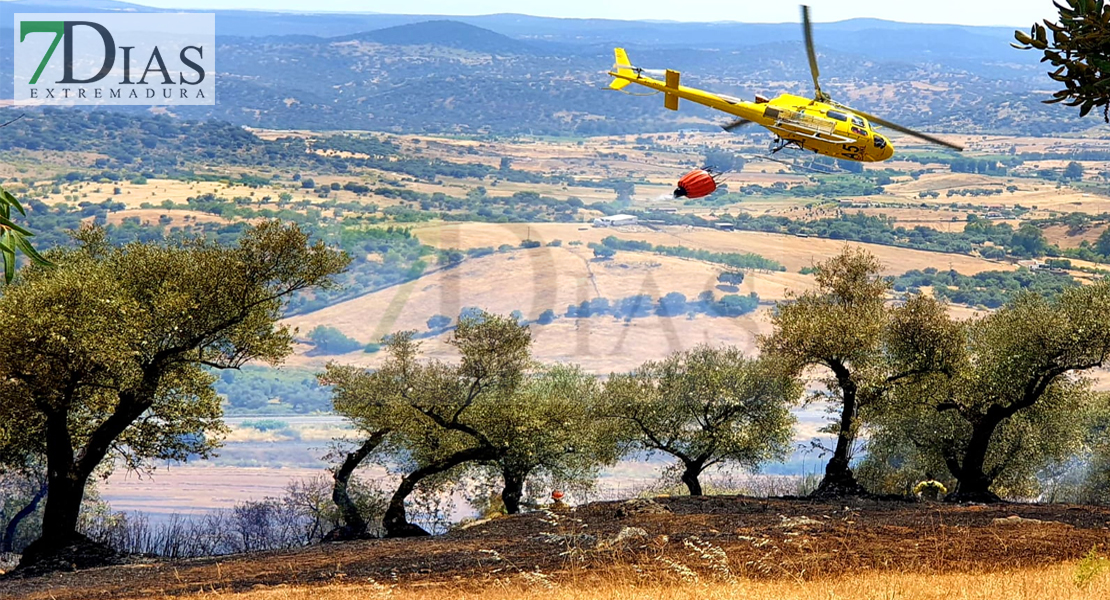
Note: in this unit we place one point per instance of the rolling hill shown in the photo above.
(535, 280)
(509, 74)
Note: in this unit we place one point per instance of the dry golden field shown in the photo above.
(793, 252)
(1058, 234)
(1048, 583)
(177, 217)
(535, 280)
(539, 279)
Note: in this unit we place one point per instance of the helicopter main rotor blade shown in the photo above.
(807, 28)
(734, 125)
(908, 131)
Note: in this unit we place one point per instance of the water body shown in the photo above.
(258, 465)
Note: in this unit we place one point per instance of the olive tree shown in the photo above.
(434, 412)
(838, 327)
(1014, 396)
(706, 406)
(847, 329)
(106, 352)
(551, 427)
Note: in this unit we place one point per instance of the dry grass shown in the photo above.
(1058, 582)
(154, 191)
(533, 281)
(153, 216)
(1058, 234)
(539, 279)
(793, 252)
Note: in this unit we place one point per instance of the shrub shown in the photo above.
(329, 340)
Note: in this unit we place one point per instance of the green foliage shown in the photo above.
(706, 406)
(1029, 240)
(22, 489)
(443, 416)
(723, 160)
(107, 352)
(734, 305)
(731, 277)
(669, 305)
(1012, 399)
(1102, 244)
(363, 144)
(1078, 52)
(604, 252)
(554, 429)
(673, 304)
(266, 425)
(1090, 567)
(13, 237)
(731, 259)
(1073, 171)
(991, 289)
(260, 390)
(846, 327)
(329, 340)
(883, 230)
(381, 256)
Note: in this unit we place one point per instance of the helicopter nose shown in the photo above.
(883, 149)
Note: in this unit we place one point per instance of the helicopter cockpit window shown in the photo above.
(880, 142)
(858, 122)
(839, 116)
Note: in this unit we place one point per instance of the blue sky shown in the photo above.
(1016, 13)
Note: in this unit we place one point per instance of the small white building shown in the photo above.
(615, 221)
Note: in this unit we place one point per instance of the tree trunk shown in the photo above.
(690, 477)
(354, 526)
(59, 517)
(67, 474)
(839, 480)
(66, 484)
(513, 490)
(973, 484)
(13, 525)
(395, 522)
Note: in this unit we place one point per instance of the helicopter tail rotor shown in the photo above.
(734, 125)
(623, 68)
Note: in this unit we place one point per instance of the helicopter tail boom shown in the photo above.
(669, 84)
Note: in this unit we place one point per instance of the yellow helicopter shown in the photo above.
(821, 124)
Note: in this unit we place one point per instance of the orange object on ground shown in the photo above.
(696, 184)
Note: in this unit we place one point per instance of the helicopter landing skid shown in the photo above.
(780, 144)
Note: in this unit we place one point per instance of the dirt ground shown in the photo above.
(770, 539)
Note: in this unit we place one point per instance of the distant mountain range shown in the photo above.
(515, 73)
